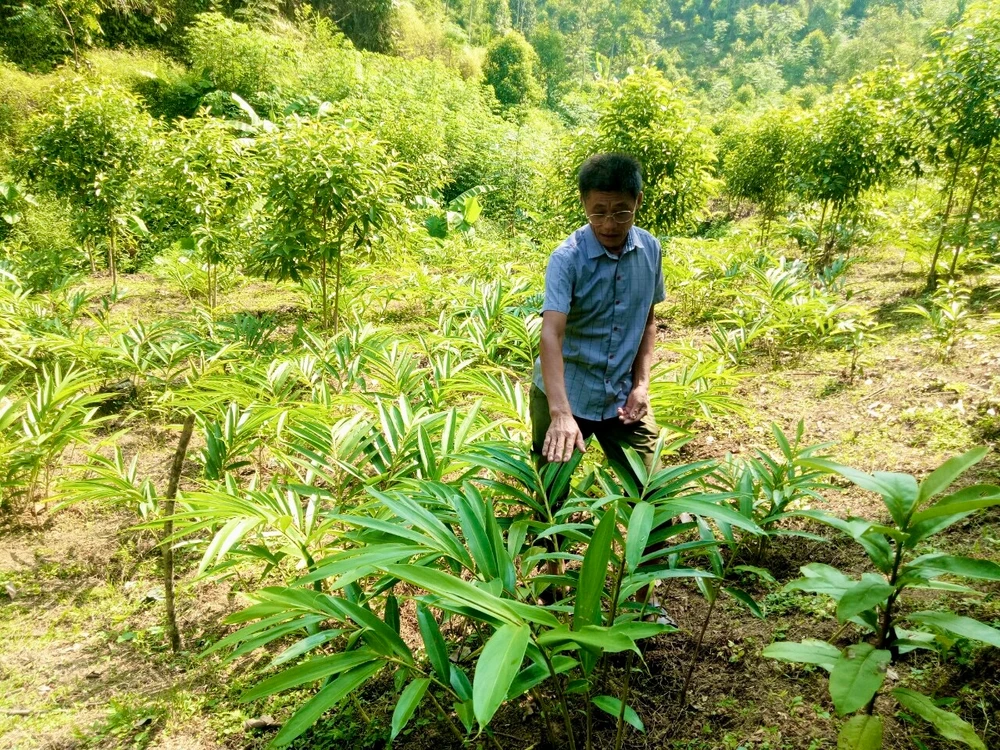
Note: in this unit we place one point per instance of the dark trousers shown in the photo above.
(612, 434)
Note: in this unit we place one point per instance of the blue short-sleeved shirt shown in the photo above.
(606, 299)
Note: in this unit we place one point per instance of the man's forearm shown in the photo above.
(644, 357)
(553, 374)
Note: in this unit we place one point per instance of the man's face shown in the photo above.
(604, 209)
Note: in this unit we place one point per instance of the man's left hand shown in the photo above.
(636, 407)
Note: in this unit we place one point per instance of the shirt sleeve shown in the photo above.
(558, 284)
(659, 293)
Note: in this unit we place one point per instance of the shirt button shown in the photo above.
(615, 328)
(611, 356)
(619, 277)
(618, 301)
(607, 381)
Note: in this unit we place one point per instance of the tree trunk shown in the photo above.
(932, 276)
(822, 221)
(322, 287)
(112, 264)
(964, 234)
(168, 529)
(336, 295)
(72, 38)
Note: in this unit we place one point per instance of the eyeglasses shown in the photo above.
(619, 217)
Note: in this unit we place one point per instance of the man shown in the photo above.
(598, 328)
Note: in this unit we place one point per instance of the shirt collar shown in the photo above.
(595, 249)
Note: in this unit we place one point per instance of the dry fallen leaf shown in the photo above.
(261, 722)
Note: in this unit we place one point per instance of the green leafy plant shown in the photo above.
(948, 314)
(873, 603)
(350, 186)
(89, 147)
(462, 555)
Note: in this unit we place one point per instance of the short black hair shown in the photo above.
(611, 173)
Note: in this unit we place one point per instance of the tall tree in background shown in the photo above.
(367, 23)
(847, 147)
(89, 147)
(329, 188)
(550, 46)
(960, 97)
(756, 169)
(648, 117)
(510, 69)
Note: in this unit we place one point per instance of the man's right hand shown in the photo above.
(561, 438)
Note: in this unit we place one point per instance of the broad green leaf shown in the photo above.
(639, 526)
(476, 537)
(871, 590)
(407, 704)
(861, 732)
(922, 530)
(821, 579)
(706, 509)
(329, 696)
(376, 629)
(857, 676)
(809, 651)
(538, 673)
(967, 567)
(437, 650)
(498, 665)
(593, 574)
(473, 208)
(899, 491)
(460, 683)
(613, 706)
(449, 587)
(465, 714)
(947, 724)
(515, 537)
(963, 626)
(595, 637)
(745, 599)
(305, 645)
(312, 670)
(941, 478)
(969, 499)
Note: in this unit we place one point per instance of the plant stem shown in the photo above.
(112, 263)
(620, 734)
(822, 221)
(322, 287)
(546, 713)
(168, 530)
(968, 209)
(932, 276)
(336, 295)
(697, 649)
(447, 718)
(563, 705)
(886, 627)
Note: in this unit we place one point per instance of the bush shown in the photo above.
(89, 148)
(510, 69)
(20, 96)
(646, 116)
(33, 36)
(239, 58)
(168, 89)
(40, 248)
